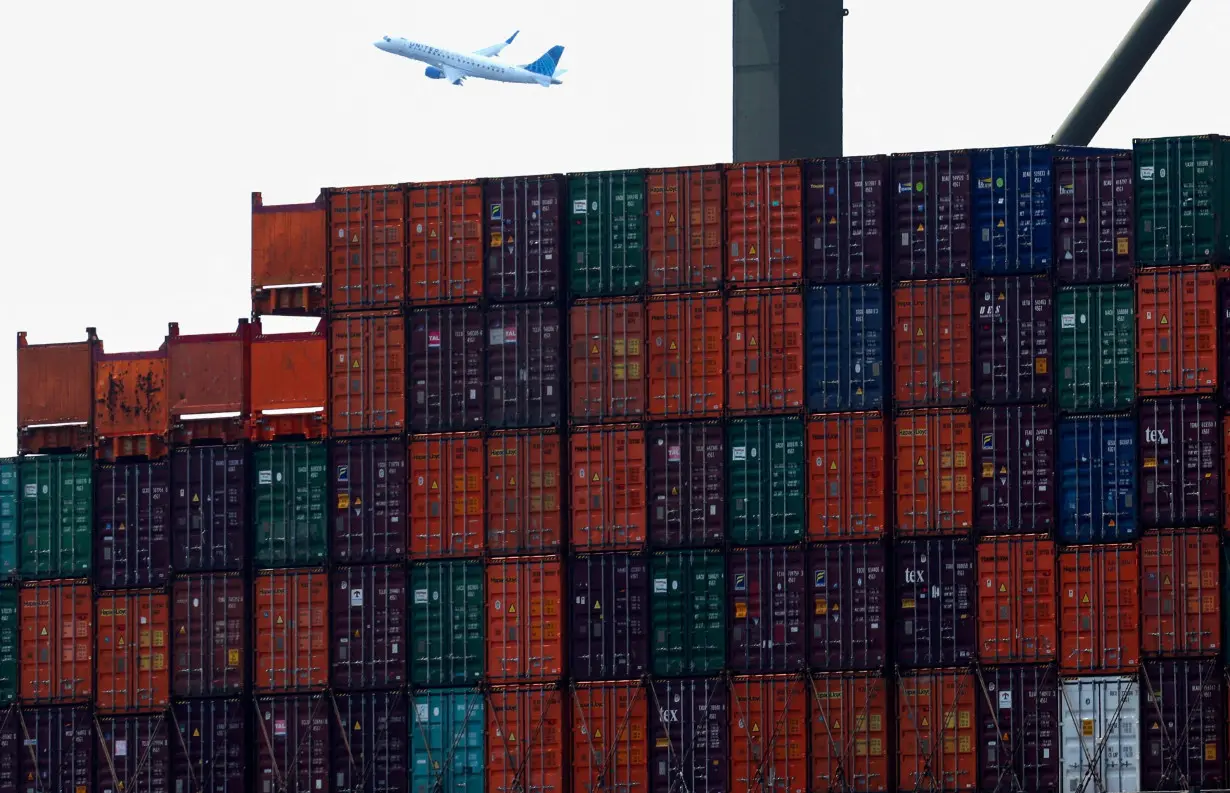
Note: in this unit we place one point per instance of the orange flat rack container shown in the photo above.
(288, 382)
(55, 395)
(289, 256)
(131, 415)
(207, 383)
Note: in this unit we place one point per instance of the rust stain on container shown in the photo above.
(130, 393)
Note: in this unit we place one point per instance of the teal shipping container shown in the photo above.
(607, 236)
(446, 623)
(688, 607)
(10, 630)
(1096, 348)
(290, 494)
(1182, 198)
(447, 750)
(56, 512)
(10, 495)
(765, 459)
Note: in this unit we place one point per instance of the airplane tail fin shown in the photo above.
(547, 63)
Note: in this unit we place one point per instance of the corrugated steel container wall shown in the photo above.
(686, 354)
(1097, 479)
(525, 366)
(935, 473)
(446, 623)
(1093, 217)
(847, 328)
(1182, 189)
(688, 608)
(57, 642)
(768, 735)
(932, 348)
(687, 484)
(209, 508)
(292, 739)
(1096, 348)
(132, 524)
(207, 374)
(1099, 609)
(371, 743)
(367, 247)
(847, 218)
(1099, 724)
(367, 373)
(849, 606)
(765, 351)
(1177, 333)
(933, 213)
(1016, 469)
(1013, 339)
(689, 744)
(936, 611)
(847, 476)
(1223, 338)
(10, 523)
(134, 754)
(55, 387)
(288, 371)
(209, 745)
(525, 237)
(367, 623)
(610, 738)
(851, 734)
(525, 621)
(1180, 466)
(446, 741)
(447, 381)
(1017, 614)
(58, 749)
(57, 515)
(447, 496)
(209, 630)
(130, 393)
(764, 223)
(445, 232)
(290, 495)
(1018, 729)
(607, 239)
(765, 464)
(10, 652)
(1183, 711)
(1180, 594)
(937, 731)
(685, 228)
(768, 609)
(527, 739)
(133, 629)
(608, 488)
(609, 623)
(607, 360)
(291, 643)
(289, 243)
(525, 492)
(370, 503)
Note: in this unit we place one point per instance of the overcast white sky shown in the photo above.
(135, 131)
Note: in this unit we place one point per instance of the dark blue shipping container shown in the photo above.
(1097, 479)
(845, 347)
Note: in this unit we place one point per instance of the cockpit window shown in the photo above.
(386, 38)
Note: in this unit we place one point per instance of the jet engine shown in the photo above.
(434, 73)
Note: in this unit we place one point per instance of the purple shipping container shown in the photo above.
(688, 746)
(847, 219)
(931, 195)
(134, 755)
(59, 750)
(446, 369)
(1223, 339)
(936, 623)
(524, 237)
(131, 546)
(849, 606)
(12, 745)
(292, 738)
(1179, 455)
(687, 484)
(610, 616)
(1183, 713)
(369, 480)
(1018, 730)
(1013, 339)
(208, 508)
(1016, 469)
(525, 366)
(768, 618)
(209, 635)
(1093, 218)
(368, 624)
(371, 746)
(209, 746)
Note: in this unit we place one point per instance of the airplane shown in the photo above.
(455, 66)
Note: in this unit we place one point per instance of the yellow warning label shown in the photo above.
(921, 462)
(343, 501)
(1165, 580)
(597, 605)
(512, 608)
(232, 658)
(598, 733)
(43, 632)
(740, 611)
(920, 332)
(196, 499)
(354, 239)
(354, 364)
(833, 466)
(1087, 728)
(435, 485)
(1121, 246)
(279, 620)
(672, 345)
(833, 220)
(920, 227)
(751, 250)
(1040, 365)
(196, 732)
(1085, 599)
(1003, 587)
(497, 239)
(1164, 320)
(822, 607)
(988, 470)
(1081, 221)
(182, 630)
(755, 726)
(751, 341)
(836, 724)
(926, 722)
(593, 350)
(1000, 224)
(596, 476)
(512, 736)
(670, 218)
(432, 233)
(1210, 752)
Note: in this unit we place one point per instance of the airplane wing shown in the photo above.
(496, 49)
(453, 76)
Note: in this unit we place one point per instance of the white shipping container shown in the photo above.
(1100, 724)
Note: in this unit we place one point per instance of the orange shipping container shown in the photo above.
(134, 631)
(764, 337)
(367, 373)
(1176, 331)
(937, 732)
(932, 349)
(686, 355)
(1017, 615)
(851, 732)
(55, 394)
(610, 738)
(1099, 611)
(130, 400)
(764, 223)
(447, 496)
(768, 734)
(935, 469)
(526, 731)
(57, 642)
(607, 359)
(685, 228)
(446, 242)
(1180, 598)
(289, 257)
(525, 634)
(525, 485)
(207, 374)
(609, 505)
(846, 487)
(288, 376)
(367, 247)
(291, 629)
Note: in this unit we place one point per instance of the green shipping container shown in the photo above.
(447, 749)
(1182, 199)
(9, 496)
(57, 516)
(688, 604)
(446, 623)
(291, 492)
(9, 631)
(766, 458)
(608, 233)
(1097, 348)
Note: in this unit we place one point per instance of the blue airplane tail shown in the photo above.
(547, 63)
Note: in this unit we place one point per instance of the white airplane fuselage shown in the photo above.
(464, 64)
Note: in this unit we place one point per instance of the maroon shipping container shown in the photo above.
(1183, 715)
(370, 521)
(446, 369)
(1014, 339)
(368, 623)
(131, 521)
(768, 602)
(1223, 338)
(58, 752)
(1018, 729)
(134, 754)
(209, 510)
(524, 237)
(209, 635)
(936, 623)
(525, 366)
(689, 741)
(847, 218)
(209, 746)
(609, 625)
(1093, 217)
(12, 746)
(371, 743)
(849, 606)
(687, 484)
(1180, 463)
(1016, 469)
(292, 738)
(932, 210)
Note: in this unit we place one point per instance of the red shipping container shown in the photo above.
(686, 354)
(1099, 609)
(851, 734)
(447, 382)
(764, 223)
(1017, 617)
(937, 731)
(607, 359)
(525, 624)
(367, 373)
(130, 403)
(447, 496)
(289, 256)
(1180, 593)
(292, 743)
(367, 247)
(57, 642)
(608, 498)
(367, 624)
(935, 471)
(134, 631)
(291, 609)
(211, 748)
(525, 475)
(209, 625)
(610, 738)
(846, 479)
(768, 734)
(764, 337)
(134, 754)
(55, 394)
(1176, 331)
(207, 374)
(56, 749)
(685, 228)
(525, 237)
(527, 734)
(932, 350)
(445, 230)
(288, 372)
(1180, 476)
